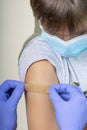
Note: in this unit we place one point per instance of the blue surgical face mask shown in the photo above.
(70, 48)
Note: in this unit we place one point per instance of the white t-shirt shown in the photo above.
(68, 70)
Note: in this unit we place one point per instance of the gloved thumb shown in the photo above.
(16, 95)
(55, 96)
(68, 91)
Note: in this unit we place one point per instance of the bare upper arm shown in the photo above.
(40, 114)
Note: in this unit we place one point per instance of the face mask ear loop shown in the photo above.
(41, 28)
(40, 25)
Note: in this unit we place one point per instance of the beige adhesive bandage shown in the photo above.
(37, 88)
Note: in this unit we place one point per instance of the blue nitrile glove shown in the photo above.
(70, 106)
(10, 94)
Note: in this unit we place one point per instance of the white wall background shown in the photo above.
(16, 25)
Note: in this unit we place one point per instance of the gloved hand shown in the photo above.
(70, 106)
(10, 94)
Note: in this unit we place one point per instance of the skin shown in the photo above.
(40, 113)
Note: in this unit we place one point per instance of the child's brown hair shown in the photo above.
(56, 14)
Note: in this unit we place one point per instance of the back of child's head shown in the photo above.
(56, 14)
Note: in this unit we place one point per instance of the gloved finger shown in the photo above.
(16, 94)
(61, 92)
(65, 96)
(54, 96)
(68, 89)
(8, 84)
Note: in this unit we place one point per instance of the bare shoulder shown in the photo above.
(42, 73)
